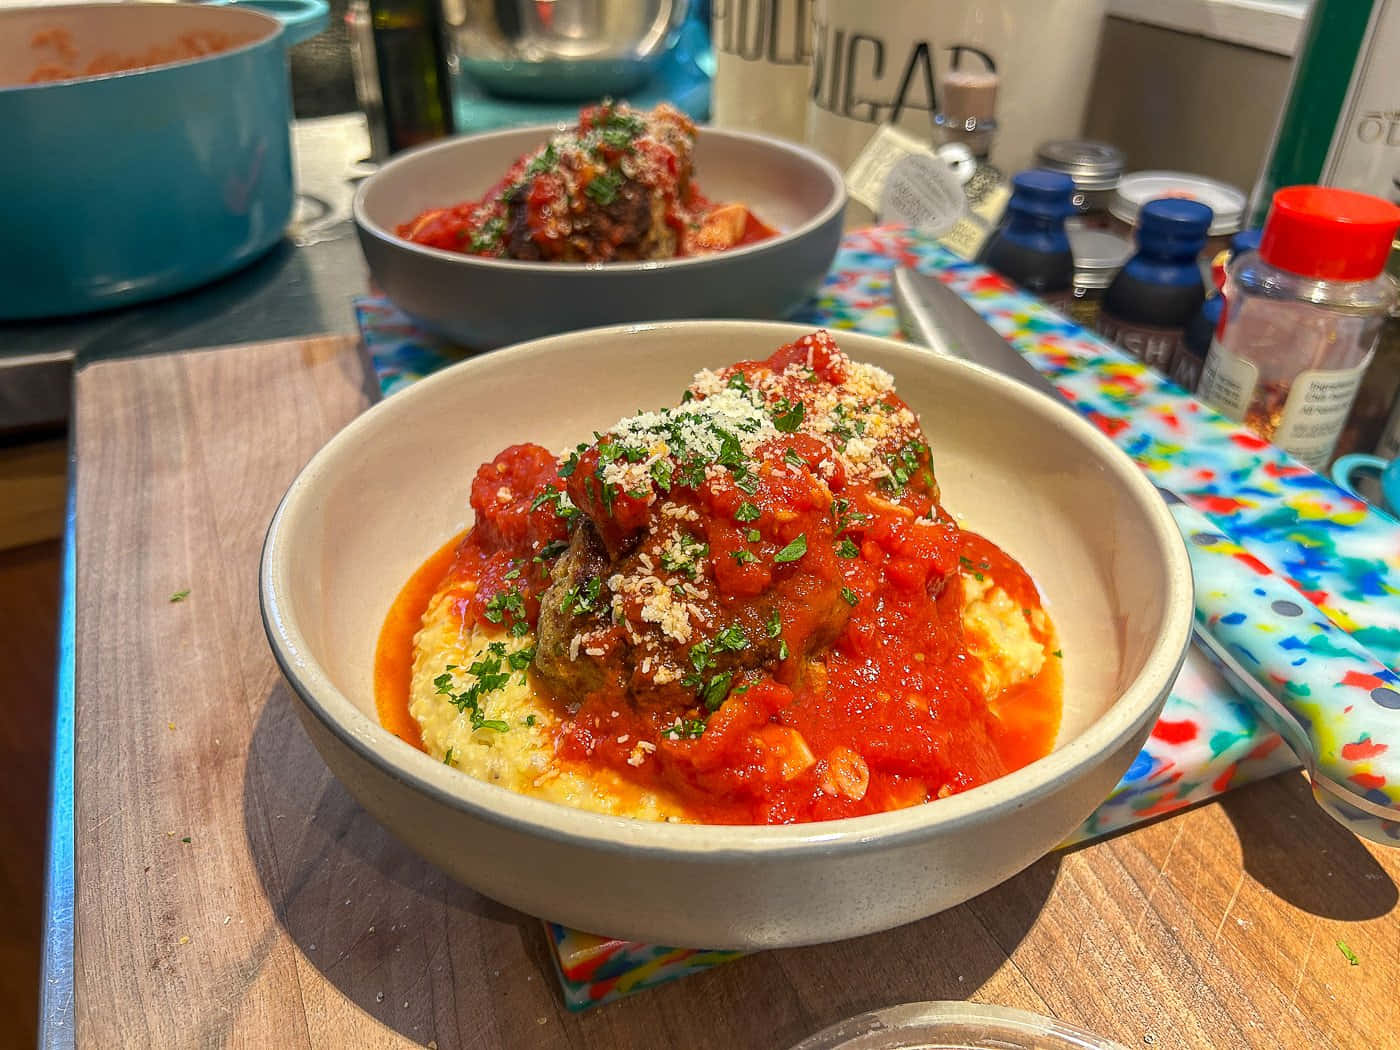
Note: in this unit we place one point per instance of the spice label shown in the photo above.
(865, 178)
(1316, 411)
(923, 193)
(970, 232)
(1228, 382)
(1150, 344)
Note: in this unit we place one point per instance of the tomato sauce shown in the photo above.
(834, 678)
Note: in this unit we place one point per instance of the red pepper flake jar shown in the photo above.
(1302, 315)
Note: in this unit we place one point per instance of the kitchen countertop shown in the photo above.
(230, 892)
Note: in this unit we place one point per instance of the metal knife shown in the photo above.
(1336, 705)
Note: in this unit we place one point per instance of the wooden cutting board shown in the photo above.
(231, 893)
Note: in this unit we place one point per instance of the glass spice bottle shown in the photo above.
(1149, 304)
(1030, 247)
(1301, 318)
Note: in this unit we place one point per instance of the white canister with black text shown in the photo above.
(880, 61)
(763, 60)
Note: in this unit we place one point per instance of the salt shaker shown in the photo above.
(1301, 318)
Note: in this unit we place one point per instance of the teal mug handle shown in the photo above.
(1347, 467)
(301, 19)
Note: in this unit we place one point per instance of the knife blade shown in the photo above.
(1290, 666)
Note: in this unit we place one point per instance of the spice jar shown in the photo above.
(1301, 318)
(1030, 247)
(1149, 304)
(1098, 256)
(1095, 168)
(1226, 203)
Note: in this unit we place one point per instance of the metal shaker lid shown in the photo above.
(1092, 165)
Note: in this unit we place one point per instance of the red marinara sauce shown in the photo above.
(832, 590)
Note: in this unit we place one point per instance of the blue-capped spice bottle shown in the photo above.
(1190, 357)
(1159, 290)
(1030, 247)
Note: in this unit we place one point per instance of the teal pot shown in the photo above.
(127, 186)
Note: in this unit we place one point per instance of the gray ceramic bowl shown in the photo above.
(392, 487)
(482, 303)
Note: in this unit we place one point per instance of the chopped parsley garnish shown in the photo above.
(530, 720)
(753, 535)
(966, 563)
(506, 602)
(689, 729)
(789, 415)
(850, 596)
(744, 557)
(774, 623)
(1058, 653)
(180, 596)
(686, 555)
(793, 550)
(782, 649)
(792, 459)
(847, 549)
(747, 512)
(604, 188)
(447, 758)
(732, 638)
(1341, 947)
(846, 518)
(702, 656)
(582, 598)
(661, 472)
(903, 465)
(716, 689)
(738, 381)
(544, 162)
(551, 550)
(490, 676)
(746, 481)
(557, 498)
(489, 237)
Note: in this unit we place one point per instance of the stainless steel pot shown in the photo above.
(561, 49)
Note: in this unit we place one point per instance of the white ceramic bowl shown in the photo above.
(481, 303)
(392, 487)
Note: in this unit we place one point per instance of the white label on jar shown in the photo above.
(1316, 410)
(866, 177)
(1365, 151)
(922, 193)
(1227, 382)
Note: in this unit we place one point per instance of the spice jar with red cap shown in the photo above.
(1301, 318)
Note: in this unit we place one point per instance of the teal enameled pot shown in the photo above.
(122, 187)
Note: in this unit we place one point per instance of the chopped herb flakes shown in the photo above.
(747, 512)
(716, 689)
(849, 596)
(583, 598)
(180, 596)
(788, 416)
(491, 674)
(793, 550)
(689, 729)
(774, 624)
(604, 188)
(731, 638)
(447, 758)
(847, 549)
(1341, 947)
(685, 554)
(744, 557)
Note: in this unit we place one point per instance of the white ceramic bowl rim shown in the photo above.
(835, 203)
(271, 25)
(698, 842)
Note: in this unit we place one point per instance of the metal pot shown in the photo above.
(561, 49)
(127, 186)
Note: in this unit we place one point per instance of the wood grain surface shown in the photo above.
(230, 893)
